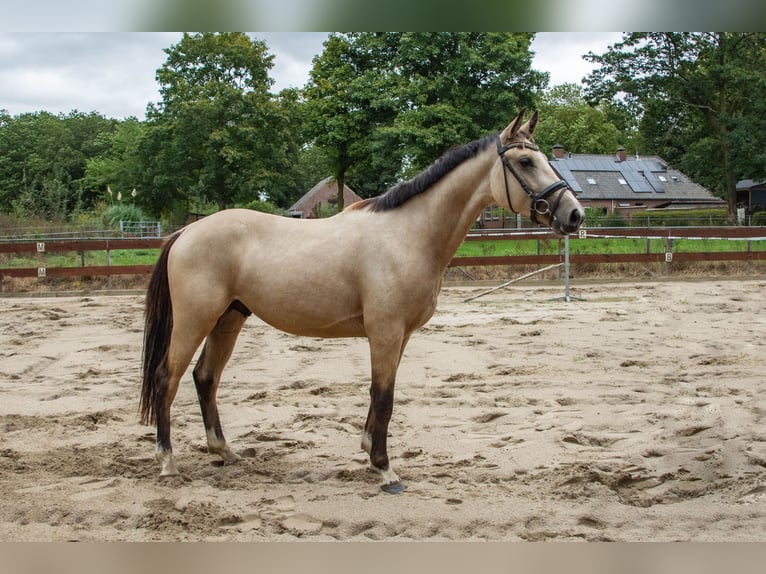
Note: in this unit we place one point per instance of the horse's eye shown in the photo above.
(525, 161)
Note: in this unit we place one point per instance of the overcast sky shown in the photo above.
(113, 73)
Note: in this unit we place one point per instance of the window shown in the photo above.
(662, 178)
(622, 181)
(591, 181)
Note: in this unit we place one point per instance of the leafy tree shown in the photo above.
(385, 105)
(43, 159)
(218, 134)
(455, 87)
(348, 96)
(119, 166)
(699, 99)
(570, 121)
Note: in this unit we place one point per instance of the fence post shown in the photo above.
(82, 253)
(109, 263)
(567, 298)
(668, 255)
(538, 252)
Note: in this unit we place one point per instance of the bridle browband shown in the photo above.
(540, 203)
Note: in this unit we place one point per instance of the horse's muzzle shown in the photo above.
(567, 218)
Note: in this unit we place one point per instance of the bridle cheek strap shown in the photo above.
(540, 203)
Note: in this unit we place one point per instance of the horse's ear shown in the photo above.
(529, 127)
(509, 132)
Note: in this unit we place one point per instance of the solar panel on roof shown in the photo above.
(577, 165)
(636, 181)
(654, 182)
(566, 174)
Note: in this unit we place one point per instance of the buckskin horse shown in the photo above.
(373, 270)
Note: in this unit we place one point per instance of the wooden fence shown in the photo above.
(41, 248)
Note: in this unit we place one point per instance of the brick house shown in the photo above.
(324, 193)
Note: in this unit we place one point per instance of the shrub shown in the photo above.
(113, 214)
(595, 217)
(264, 206)
(682, 217)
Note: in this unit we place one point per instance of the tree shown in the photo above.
(455, 87)
(573, 123)
(119, 165)
(218, 135)
(699, 98)
(43, 158)
(346, 100)
(386, 105)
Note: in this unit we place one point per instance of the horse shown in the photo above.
(373, 270)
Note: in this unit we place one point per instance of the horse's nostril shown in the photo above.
(575, 218)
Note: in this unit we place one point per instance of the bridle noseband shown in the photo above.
(540, 203)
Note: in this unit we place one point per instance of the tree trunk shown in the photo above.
(341, 184)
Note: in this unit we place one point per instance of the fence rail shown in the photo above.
(80, 246)
(109, 245)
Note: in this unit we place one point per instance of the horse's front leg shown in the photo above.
(385, 362)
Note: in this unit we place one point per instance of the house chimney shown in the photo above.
(558, 151)
(622, 155)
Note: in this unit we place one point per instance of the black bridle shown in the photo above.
(540, 203)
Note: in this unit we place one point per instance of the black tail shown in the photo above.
(157, 329)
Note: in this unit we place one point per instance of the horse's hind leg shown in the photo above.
(169, 375)
(207, 376)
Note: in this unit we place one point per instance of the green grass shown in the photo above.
(89, 258)
(467, 249)
(597, 245)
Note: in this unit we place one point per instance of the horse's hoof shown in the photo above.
(168, 475)
(231, 459)
(394, 487)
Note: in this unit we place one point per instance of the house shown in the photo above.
(618, 184)
(751, 195)
(323, 194)
(622, 184)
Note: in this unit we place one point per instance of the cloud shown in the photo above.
(560, 53)
(113, 73)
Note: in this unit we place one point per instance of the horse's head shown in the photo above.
(524, 181)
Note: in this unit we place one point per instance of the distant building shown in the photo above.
(324, 193)
(751, 195)
(619, 184)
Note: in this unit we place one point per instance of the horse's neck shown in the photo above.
(453, 204)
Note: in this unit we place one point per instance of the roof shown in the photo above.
(746, 184)
(599, 177)
(320, 193)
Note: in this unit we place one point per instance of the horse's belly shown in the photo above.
(313, 324)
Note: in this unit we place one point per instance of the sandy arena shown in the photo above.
(638, 413)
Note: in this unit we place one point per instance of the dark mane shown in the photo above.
(402, 192)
